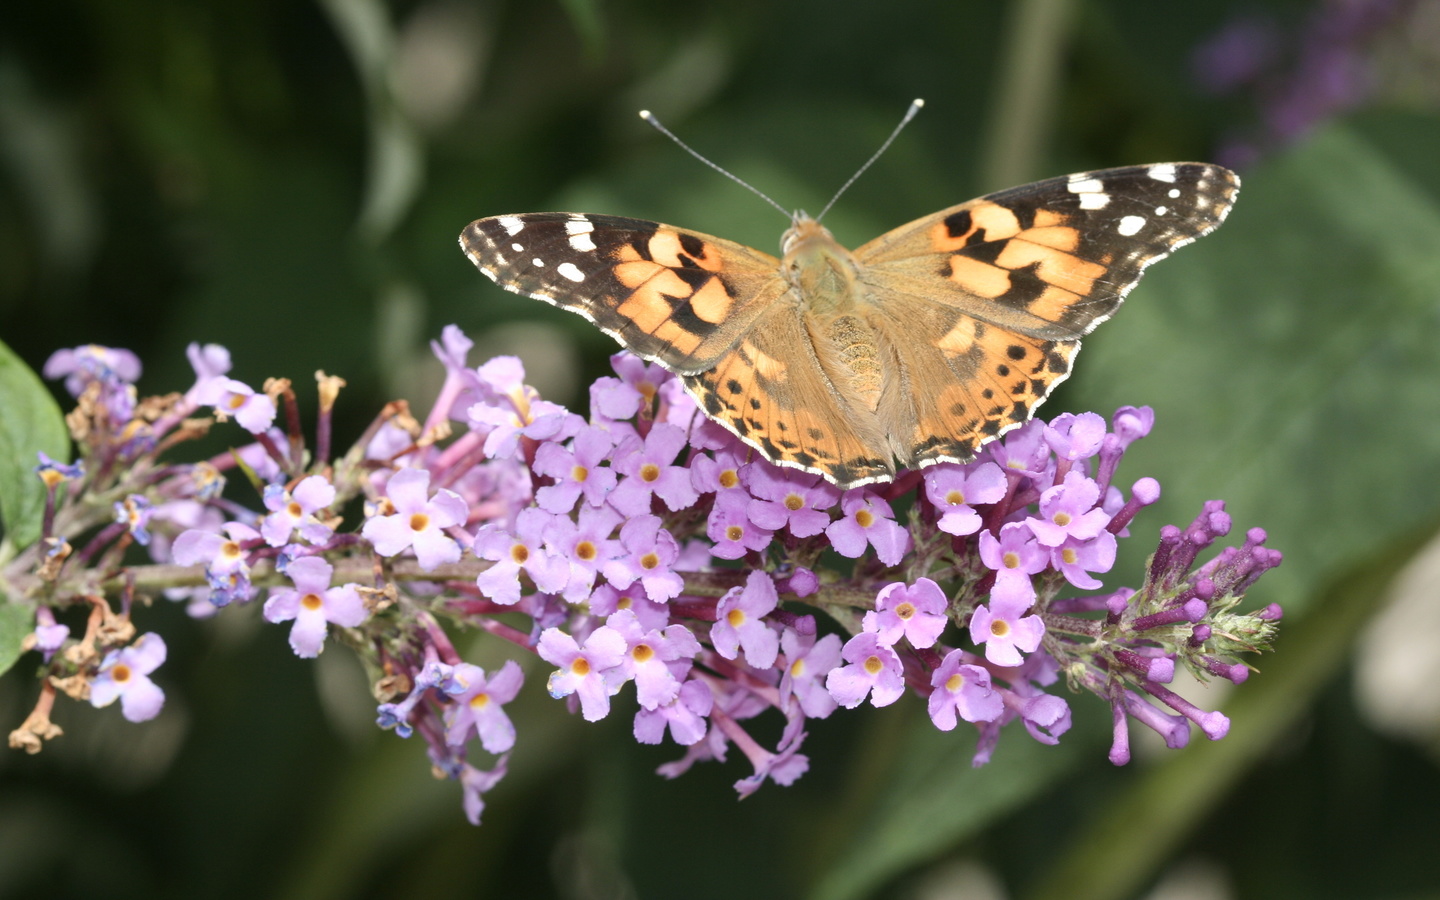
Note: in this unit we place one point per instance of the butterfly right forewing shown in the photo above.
(676, 297)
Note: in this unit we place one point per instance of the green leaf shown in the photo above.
(31, 422)
(15, 622)
(931, 798)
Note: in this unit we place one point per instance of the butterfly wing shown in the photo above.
(773, 394)
(672, 296)
(1006, 285)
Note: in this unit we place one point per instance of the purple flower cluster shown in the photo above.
(649, 546)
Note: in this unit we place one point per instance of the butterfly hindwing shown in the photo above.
(772, 393)
(673, 296)
(1055, 258)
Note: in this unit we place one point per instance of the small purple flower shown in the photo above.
(1075, 437)
(787, 498)
(505, 422)
(523, 550)
(964, 690)
(49, 636)
(576, 471)
(1023, 450)
(1005, 631)
(648, 651)
(647, 465)
(134, 513)
(290, 510)
(1133, 423)
(740, 623)
(475, 782)
(684, 715)
(419, 522)
(874, 670)
(53, 472)
(1068, 510)
(92, 362)
(312, 604)
(731, 528)
(125, 674)
(1014, 556)
(209, 361)
(587, 547)
(956, 490)
(868, 521)
(650, 551)
(607, 599)
(914, 613)
(231, 398)
(1077, 559)
(807, 662)
(479, 706)
(725, 471)
(584, 671)
(224, 557)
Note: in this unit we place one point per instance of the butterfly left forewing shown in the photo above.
(1055, 258)
(673, 296)
(984, 303)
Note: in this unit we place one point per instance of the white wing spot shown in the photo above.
(1161, 210)
(579, 225)
(1094, 200)
(537, 261)
(570, 271)
(1174, 192)
(517, 247)
(1163, 172)
(1086, 186)
(511, 224)
(1130, 225)
(581, 242)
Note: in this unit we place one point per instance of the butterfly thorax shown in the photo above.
(825, 277)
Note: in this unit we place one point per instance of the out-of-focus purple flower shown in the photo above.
(237, 400)
(962, 689)
(479, 706)
(475, 782)
(49, 636)
(419, 521)
(134, 512)
(290, 510)
(92, 362)
(125, 674)
(684, 715)
(807, 663)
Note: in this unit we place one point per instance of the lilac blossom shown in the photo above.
(237, 400)
(291, 510)
(313, 604)
(478, 707)
(868, 521)
(916, 613)
(552, 540)
(418, 522)
(740, 622)
(125, 675)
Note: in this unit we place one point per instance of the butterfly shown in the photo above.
(916, 349)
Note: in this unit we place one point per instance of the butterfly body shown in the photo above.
(914, 349)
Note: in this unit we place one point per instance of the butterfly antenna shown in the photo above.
(909, 114)
(650, 117)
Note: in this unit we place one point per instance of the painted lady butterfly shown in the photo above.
(919, 347)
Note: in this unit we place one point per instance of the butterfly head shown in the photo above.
(814, 261)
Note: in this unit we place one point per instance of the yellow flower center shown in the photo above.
(649, 473)
(955, 498)
(1069, 555)
(1010, 560)
(580, 666)
(729, 478)
(736, 617)
(311, 602)
(649, 561)
(734, 533)
(121, 673)
(794, 502)
(585, 551)
(905, 610)
(580, 473)
(864, 518)
(642, 653)
(480, 700)
(519, 553)
(1061, 518)
(873, 665)
(419, 521)
(954, 683)
(999, 628)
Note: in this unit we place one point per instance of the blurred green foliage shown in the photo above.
(288, 178)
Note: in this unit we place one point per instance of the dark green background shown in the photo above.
(250, 173)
